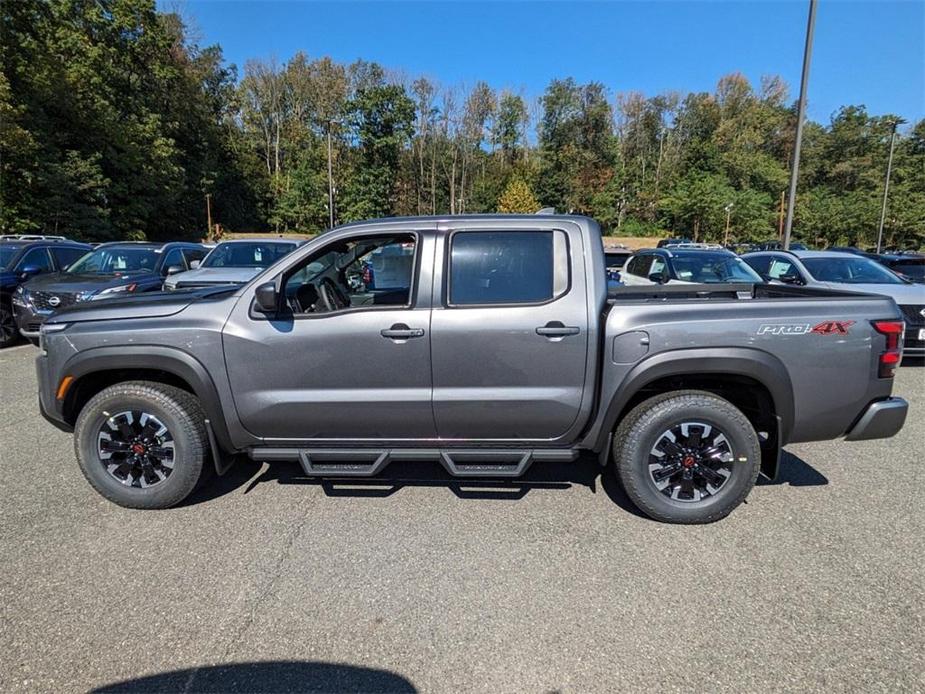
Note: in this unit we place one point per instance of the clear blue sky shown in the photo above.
(870, 53)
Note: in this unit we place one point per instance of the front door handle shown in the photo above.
(557, 329)
(400, 331)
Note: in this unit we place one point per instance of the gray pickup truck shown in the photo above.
(483, 343)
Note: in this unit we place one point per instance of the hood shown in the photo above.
(215, 275)
(902, 294)
(147, 305)
(66, 282)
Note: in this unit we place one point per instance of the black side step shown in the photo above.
(339, 463)
(368, 462)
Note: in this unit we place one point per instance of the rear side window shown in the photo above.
(507, 267)
(66, 256)
(761, 264)
(639, 265)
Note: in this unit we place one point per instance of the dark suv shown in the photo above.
(22, 259)
(111, 270)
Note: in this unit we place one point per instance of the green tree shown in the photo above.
(517, 198)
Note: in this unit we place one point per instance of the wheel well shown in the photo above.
(748, 394)
(90, 384)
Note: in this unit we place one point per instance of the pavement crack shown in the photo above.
(265, 591)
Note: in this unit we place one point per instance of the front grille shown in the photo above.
(43, 300)
(913, 313)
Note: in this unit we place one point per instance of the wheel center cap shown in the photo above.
(138, 448)
(688, 461)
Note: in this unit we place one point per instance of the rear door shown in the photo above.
(509, 333)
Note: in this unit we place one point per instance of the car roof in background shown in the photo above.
(294, 242)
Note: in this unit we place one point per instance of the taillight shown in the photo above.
(894, 331)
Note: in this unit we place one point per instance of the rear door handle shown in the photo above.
(557, 329)
(400, 331)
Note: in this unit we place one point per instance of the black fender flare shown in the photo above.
(160, 358)
(761, 366)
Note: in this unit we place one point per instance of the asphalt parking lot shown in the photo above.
(267, 581)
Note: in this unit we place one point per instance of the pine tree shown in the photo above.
(517, 198)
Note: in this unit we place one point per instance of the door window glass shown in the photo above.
(66, 256)
(508, 267)
(780, 268)
(37, 257)
(354, 273)
(658, 266)
(174, 257)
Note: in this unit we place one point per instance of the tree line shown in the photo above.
(115, 123)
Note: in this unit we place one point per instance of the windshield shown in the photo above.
(849, 271)
(708, 268)
(246, 254)
(6, 256)
(114, 259)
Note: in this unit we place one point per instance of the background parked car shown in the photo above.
(671, 242)
(848, 272)
(909, 264)
(614, 260)
(22, 259)
(111, 269)
(232, 262)
(687, 264)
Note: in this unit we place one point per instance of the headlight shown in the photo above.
(47, 329)
(108, 293)
(85, 296)
(20, 298)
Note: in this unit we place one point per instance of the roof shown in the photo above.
(294, 242)
(460, 219)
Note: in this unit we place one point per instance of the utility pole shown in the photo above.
(209, 215)
(801, 116)
(886, 183)
(780, 218)
(330, 180)
(728, 209)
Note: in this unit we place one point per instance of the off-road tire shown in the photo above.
(641, 428)
(179, 410)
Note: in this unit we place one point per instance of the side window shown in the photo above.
(194, 254)
(366, 272)
(779, 268)
(37, 257)
(173, 257)
(66, 256)
(643, 263)
(761, 264)
(507, 267)
(658, 266)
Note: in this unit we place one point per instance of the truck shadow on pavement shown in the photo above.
(270, 676)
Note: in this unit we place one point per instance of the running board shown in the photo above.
(458, 462)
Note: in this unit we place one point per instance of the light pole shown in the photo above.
(801, 116)
(728, 209)
(330, 180)
(886, 182)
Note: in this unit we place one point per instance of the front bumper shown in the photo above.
(881, 420)
(29, 319)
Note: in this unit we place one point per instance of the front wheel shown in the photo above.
(142, 444)
(8, 333)
(687, 457)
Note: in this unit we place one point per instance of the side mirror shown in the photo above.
(174, 269)
(791, 279)
(194, 265)
(29, 271)
(266, 297)
(658, 277)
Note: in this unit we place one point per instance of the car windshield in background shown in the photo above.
(849, 271)
(247, 254)
(116, 259)
(6, 256)
(914, 269)
(708, 268)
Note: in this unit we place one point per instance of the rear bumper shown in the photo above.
(881, 420)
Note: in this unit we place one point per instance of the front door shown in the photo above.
(510, 335)
(348, 355)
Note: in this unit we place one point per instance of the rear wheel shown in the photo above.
(8, 333)
(687, 457)
(142, 444)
